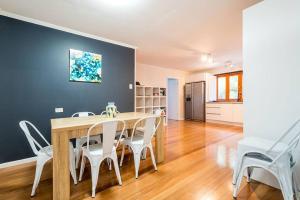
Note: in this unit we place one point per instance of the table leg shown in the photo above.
(61, 174)
(159, 142)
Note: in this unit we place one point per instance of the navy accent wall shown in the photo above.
(34, 80)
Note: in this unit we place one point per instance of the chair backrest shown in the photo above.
(148, 124)
(109, 130)
(158, 113)
(83, 114)
(293, 135)
(32, 141)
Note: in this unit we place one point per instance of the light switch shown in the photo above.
(59, 110)
(130, 86)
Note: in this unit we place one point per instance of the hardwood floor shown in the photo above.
(199, 157)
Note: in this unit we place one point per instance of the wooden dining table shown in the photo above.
(64, 129)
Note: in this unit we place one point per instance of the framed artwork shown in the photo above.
(85, 66)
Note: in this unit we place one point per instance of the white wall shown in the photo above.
(211, 83)
(173, 99)
(271, 47)
(157, 76)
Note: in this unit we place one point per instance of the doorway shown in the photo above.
(173, 99)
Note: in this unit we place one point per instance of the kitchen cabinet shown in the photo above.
(225, 112)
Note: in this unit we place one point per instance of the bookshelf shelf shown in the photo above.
(149, 99)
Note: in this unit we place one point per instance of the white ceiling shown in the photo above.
(168, 33)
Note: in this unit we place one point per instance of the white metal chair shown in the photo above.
(158, 113)
(138, 142)
(277, 157)
(43, 154)
(96, 153)
(124, 135)
(83, 140)
(140, 130)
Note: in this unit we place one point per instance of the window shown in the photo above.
(229, 87)
(222, 88)
(233, 87)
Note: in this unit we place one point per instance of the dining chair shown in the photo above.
(277, 157)
(158, 113)
(96, 153)
(124, 135)
(83, 140)
(138, 142)
(43, 154)
(140, 130)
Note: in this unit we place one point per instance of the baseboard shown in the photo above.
(17, 162)
(223, 122)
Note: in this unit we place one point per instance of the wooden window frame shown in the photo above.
(240, 86)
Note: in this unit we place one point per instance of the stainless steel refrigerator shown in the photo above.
(195, 101)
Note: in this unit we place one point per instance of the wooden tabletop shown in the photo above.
(74, 122)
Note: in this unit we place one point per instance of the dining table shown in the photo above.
(64, 129)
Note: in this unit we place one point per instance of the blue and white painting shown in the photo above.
(85, 66)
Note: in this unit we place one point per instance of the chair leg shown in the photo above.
(249, 173)
(285, 180)
(95, 174)
(144, 154)
(72, 163)
(108, 160)
(122, 156)
(38, 172)
(73, 171)
(137, 159)
(117, 170)
(236, 187)
(296, 186)
(152, 157)
(82, 167)
(77, 152)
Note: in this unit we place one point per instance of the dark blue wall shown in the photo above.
(34, 80)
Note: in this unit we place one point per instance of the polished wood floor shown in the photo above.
(199, 159)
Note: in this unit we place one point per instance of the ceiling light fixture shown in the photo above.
(229, 64)
(207, 58)
(119, 2)
(210, 59)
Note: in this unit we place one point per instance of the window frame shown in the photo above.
(227, 92)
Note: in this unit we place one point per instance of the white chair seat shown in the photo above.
(255, 143)
(142, 129)
(95, 149)
(255, 147)
(136, 140)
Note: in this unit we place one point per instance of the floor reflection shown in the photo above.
(226, 157)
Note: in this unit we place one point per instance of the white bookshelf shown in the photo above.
(148, 99)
